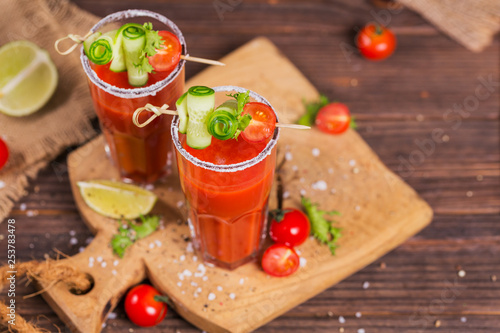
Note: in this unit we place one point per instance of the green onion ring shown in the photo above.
(222, 124)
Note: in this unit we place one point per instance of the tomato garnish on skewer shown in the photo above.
(167, 58)
(263, 122)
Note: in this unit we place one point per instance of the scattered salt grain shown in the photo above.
(22, 206)
(320, 185)
(286, 195)
(99, 259)
(358, 314)
(187, 272)
(366, 285)
(211, 296)
(201, 270)
(330, 170)
(288, 156)
(181, 276)
(194, 284)
(182, 258)
(116, 262)
(242, 280)
(180, 204)
(89, 240)
(2, 184)
(341, 320)
(31, 213)
(298, 252)
(103, 264)
(114, 272)
(303, 262)
(219, 288)
(232, 296)
(179, 284)
(189, 247)
(73, 241)
(195, 294)
(352, 163)
(151, 245)
(32, 246)
(315, 152)
(205, 278)
(195, 258)
(158, 243)
(295, 168)
(461, 273)
(361, 330)
(198, 290)
(72, 232)
(355, 170)
(81, 249)
(303, 192)
(463, 319)
(112, 315)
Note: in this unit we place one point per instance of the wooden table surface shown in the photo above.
(399, 104)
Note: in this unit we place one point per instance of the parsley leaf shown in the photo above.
(153, 42)
(312, 109)
(321, 228)
(243, 121)
(129, 232)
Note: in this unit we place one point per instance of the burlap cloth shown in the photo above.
(37, 139)
(472, 23)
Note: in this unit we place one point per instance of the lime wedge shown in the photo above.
(28, 78)
(117, 200)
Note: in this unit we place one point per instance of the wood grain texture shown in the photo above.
(396, 101)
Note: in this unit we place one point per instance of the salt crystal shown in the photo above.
(211, 296)
(31, 213)
(195, 258)
(200, 271)
(330, 170)
(358, 314)
(295, 168)
(461, 273)
(2, 184)
(341, 320)
(32, 246)
(194, 284)
(103, 325)
(22, 206)
(232, 296)
(320, 185)
(112, 315)
(205, 278)
(219, 288)
(151, 245)
(181, 276)
(114, 272)
(91, 264)
(303, 192)
(286, 195)
(99, 259)
(158, 243)
(72, 232)
(91, 259)
(116, 262)
(103, 264)
(288, 156)
(366, 285)
(198, 290)
(298, 252)
(187, 272)
(242, 280)
(195, 295)
(182, 258)
(303, 262)
(189, 247)
(361, 330)
(89, 240)
(73, 241)
(315, 152)
(179, 284)
(352, 163)
(180, 204)
(463, 319)
(81, 249)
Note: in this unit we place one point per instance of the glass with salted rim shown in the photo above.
(142, 155)
(228, 203)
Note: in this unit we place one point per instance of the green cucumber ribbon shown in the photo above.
(222, 124)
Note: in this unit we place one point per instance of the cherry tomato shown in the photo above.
(333, 118)
(292, 230)
(4, 153)
(143, 307)
(169, 55)
(280, 260)
(263, 122)
(376, 42)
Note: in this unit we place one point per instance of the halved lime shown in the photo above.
(28, 78)
(116, 199)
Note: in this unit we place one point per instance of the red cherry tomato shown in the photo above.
(292, 230)
(333, 118)
(4, 153)
(142, 306)
(376, 42)
(280, 260)
(263, 122)
(169, 55)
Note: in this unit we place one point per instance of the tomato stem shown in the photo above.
(163, 299)
(378, 29)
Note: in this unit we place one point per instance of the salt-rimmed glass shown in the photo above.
(142, 155)
(227, 204)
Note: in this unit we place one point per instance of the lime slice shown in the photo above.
(28, 78)
(117, 200)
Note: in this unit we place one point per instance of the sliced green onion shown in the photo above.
(201, 91)
(222, 124)
(100, 52)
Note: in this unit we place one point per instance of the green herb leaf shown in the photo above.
(312, 109)
(321, 228)
(243, 121)
(153, 42)
(242, 99)
(121, 241)
(129, 232)
(352, 123)
(147, 227)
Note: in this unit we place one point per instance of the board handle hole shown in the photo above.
(77, 291)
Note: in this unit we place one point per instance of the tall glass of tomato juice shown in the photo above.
(142, 155)
(227, 187)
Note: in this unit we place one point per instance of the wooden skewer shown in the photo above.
(164, 110)
(202, 60)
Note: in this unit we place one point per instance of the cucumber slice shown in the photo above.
(92, 38)
(200, 104)
(181, 105)
(100, 51)
(231, 105)
(118, 62)
(134, 40)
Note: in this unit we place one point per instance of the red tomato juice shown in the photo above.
(141, 155)
(228, 210)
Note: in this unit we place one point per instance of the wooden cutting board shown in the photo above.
(379, 212)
